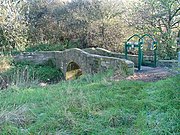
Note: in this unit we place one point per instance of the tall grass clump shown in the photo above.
(20, 76)
(28, 74)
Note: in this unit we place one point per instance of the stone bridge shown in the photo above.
(87, 60)
(134, 58)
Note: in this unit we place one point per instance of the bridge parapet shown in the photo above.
(35, 57)
(104, 52)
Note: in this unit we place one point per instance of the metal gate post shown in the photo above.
(155, 58)
(140, 55)
(126, 57)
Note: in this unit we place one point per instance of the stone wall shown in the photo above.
(167, 63)
(35, 57)
(133, 58)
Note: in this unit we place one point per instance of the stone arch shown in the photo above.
(73, 70)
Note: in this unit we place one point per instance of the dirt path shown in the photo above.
(148, 74)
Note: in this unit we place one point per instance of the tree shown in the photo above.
(89, 22)
(160, 18)
(13, 25)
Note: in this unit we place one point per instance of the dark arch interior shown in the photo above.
(73, 71)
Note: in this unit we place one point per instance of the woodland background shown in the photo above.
(61, 24)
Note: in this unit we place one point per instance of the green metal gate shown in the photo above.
(139, 44)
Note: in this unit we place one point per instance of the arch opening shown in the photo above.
(73, 71)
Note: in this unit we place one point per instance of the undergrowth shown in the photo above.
(45, 47)
(53, 47)
(27, 74)
(92, 105)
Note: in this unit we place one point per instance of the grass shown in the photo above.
(92, 105)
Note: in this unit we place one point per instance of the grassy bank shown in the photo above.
(92, 105)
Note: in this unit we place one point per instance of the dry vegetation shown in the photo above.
(5, 63)
(103, 23)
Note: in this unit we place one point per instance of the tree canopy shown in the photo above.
(103, 23)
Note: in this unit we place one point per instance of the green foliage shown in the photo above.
(26, 73)
(53, 47)
(159, 18)
(92, 105)
(45, 47)
(48, 74)
(45, 72)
